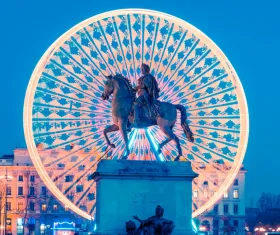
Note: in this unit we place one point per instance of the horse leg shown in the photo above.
(164, 142)
(107, 130)
(171, 136)
(123, 130)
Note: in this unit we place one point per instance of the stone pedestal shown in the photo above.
(126, 188)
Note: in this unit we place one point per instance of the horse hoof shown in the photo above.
(112, 146)
(124, 158)
(177, 159)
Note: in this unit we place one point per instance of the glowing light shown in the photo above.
(51, 54)
(132, 138)
(9, 177)
(194, 226)
(161, 157)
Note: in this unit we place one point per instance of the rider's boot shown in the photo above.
(136, 116)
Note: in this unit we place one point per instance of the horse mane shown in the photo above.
(127, 83)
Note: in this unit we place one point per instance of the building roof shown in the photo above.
(7, 156)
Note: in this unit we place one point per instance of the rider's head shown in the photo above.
(145, 69)
(159, 211)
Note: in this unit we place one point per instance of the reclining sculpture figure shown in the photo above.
(154, 225)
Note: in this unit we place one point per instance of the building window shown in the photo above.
(9, 206)
(216, 208)
(205, 194)
(55, 207)
(225, 208)
(44, 190)
(20, 206)
(195, 194)
(20, 178)
(32, 178)
(31, 191)
(235, 209)
(235, 193)
(226, 223)
(9, 190)
(215, 224)
(235, 223)
(66, 208)
(32, 206)
(235, 182)
(20, 226)
(226, 194)
(20, 190)
(44, 207)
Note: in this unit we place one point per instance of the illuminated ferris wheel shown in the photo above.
(64, 116)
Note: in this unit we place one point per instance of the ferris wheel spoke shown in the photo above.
(205, 176)
(199, 59)
(85, 193)
(79, 64)
(227, 104)
(137, 38)
(186, 85)
(164, 48)
(86, 137)
(182, 63)
(204, 97)
(207, 85)
(121, 46)
(220, 137)
(69, 154)
(108, 46)
(125, 43)
(84, 174)
(69, 98)
(128, 25)
(80, 46)
(178, 46)
(217, 152)
(218, 141)
(73, 167)
(80, 80)
(92, 42)
(157, 22)
(213, 117)
(62, 84)
(70, 131)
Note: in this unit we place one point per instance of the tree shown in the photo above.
(2, 201)
(268, 201)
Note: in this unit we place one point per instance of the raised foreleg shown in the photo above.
(107, 130)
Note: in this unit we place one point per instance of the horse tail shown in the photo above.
(184, 123)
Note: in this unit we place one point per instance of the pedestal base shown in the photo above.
(127, 188)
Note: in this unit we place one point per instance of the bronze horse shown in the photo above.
(122, 102)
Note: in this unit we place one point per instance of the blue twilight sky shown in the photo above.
(247, 31)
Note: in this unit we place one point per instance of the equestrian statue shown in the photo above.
(129, 111)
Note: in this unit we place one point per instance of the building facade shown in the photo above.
(228, 215)
(26, 206)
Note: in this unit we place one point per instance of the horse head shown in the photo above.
(108, 88)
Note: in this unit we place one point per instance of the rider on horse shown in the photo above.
(148, 93)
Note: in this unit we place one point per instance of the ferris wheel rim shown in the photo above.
(29, 99)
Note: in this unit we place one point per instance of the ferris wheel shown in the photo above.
(64, 116)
